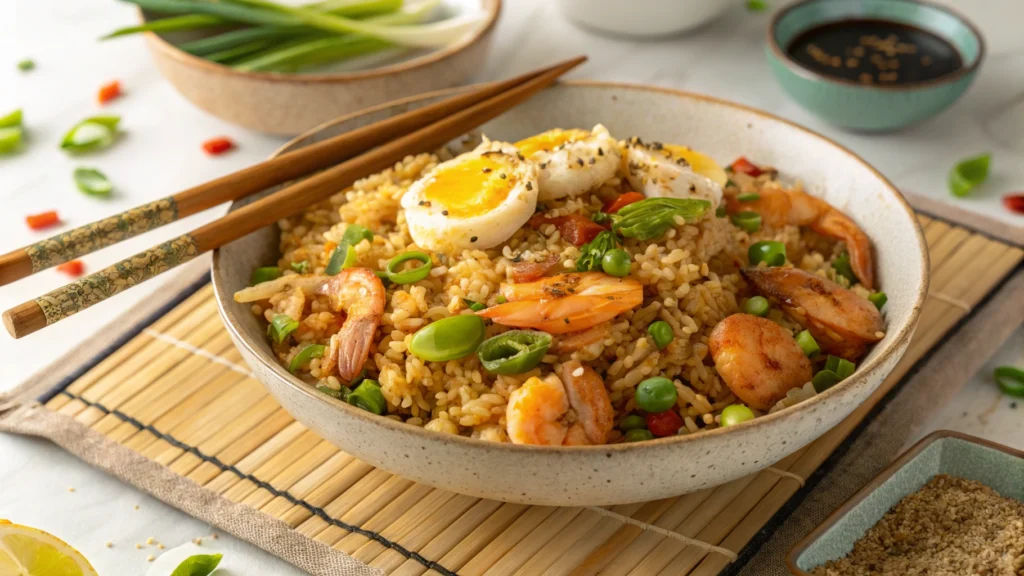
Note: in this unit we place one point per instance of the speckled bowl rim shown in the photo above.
(493, 8)
(876, 482)
(806, 72)
(905, 331)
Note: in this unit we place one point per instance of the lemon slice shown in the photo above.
(26, 551)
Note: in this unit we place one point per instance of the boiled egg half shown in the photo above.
(671, 171)
(571, 162)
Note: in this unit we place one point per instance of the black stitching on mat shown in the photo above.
(316, 511)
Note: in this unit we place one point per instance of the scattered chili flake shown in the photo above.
(109, 92)
(1014, 203)
(218, 146)
(43, 220)
(74, 268)
(744, 166)
(622, 201)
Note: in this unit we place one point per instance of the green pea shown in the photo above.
(656, 395)
(448, 339)
(757, 306)
(514, 352)
(808, 344)
(368, 397)
(736, 413)
(770, 252)
(265, 274)
(638, 435)
(662, 333)
(633, 422)
(616, 262)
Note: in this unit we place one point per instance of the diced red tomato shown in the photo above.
(1014, 203)
(74, 268)
(43, 220)
(624, 200)
(575, 228)
(744, 166)
(109, 92)
(665, 423)
(529, 271)
(217, 146)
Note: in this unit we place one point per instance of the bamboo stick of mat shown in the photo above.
(89, 238)
(54, 306)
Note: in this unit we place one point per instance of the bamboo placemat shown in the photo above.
(176, 392)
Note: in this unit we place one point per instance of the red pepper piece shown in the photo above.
(529, 271)
(1014, 203)
(622, 201)
(74, 268)
(744, 166)
(109, 92)
(217, 146)
(575, 228)
(44, 220)
(665, 423)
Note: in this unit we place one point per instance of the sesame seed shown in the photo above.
(109, 544)
(71, 489)
(879, 334)
(543, 165)
(578, 372)
(198, 541)
(579, 161)
(529, 185)
(502, 175)
(472, 239)
(566, 320)
(150, 540)
(487, 170)
(600, 151)
(520, 156)
(160, 546)
(136, 506)
(150, 558)
(138, 546)
(214, 536)
(592, 160)
(444, 212)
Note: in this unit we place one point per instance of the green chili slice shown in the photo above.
(409, 276)
(341, 394)
(264, 274)
(1010, 380)
(824, 380)
(92, 182)
(770, 252)
(281, 326)
(878, 299)
(305, 355)
(474, 306)
(649, 219)
(747, 220)
(841, 366)
(300, 267)
(514, 352)
(751, 197)
(842, 267)
(10, 139)
(91, 134)
(355, 234)
(368, 397)
(11, 120)
(968, 173)
(344, 256)
(808, 344)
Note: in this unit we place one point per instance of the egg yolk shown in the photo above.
(548, 141)
(471, 187)
(699, 163)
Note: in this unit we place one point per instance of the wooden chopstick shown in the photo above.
(54, 306)
(83, 240)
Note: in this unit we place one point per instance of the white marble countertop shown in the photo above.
(160, 154)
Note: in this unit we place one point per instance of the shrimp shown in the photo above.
(582, 339)
(566, 302)
(357, 292)
(779, 207)
(842, 322)
(572, 410)
(758, 359)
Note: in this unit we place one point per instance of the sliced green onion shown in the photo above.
(409, 276)
(264, 274)
(10, 139)
(968, 173)
(824, 380)
(355, 234)
(26, 65)
(514, 352)
(300, 267)
(92, 182)
(757, 306)
(721, 211)
(757, 5)
(368, 397)
(770, 252)
(474, 306)
(842, 267)
(91, 134)
(649, 219)
(341, 394)
(1010, 380)
(878, 299)
(841, 366)
(344, 256)
(808, 344)
(306, 355)
(281, 326)
(749, 221)
(11, 119)
(186, 22)
(750, 197)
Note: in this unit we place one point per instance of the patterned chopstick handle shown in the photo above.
(95, 288)
(83, 240)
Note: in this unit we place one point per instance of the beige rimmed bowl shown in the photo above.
(288, 104)
(614, 474)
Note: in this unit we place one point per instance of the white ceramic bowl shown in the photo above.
(598, 475)
(642, 18)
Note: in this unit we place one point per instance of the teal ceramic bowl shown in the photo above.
(944, 452)
(873, 107)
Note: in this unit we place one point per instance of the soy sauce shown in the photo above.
(875, 52)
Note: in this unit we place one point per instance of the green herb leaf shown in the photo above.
(11, 120)
(474, 306)
(593, 251)
(300, 267)
(198, 565)
(91, 134)
(26, 65)
(281, 326)
(757, 5)
(968, 173)
(92, 182)
(649, 219)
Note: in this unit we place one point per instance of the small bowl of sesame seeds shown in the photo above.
(873, 65)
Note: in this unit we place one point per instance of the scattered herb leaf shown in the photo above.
(92, 182)
(198, 565)
(592, 252)
(968, 173)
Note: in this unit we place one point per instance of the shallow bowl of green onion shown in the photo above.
(285, 66)
(630, 471)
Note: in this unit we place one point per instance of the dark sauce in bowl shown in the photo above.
(875, 52)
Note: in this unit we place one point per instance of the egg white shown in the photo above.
(578, 160)
(670, 171)
(433, 227)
